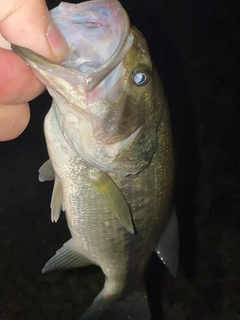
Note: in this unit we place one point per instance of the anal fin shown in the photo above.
(67, 257)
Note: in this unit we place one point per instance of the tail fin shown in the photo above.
(133, 307)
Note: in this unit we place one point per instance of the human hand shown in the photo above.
(26, 23)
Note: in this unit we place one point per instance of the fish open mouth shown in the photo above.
(97, 33)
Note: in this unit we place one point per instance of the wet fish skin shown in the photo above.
(127, 126)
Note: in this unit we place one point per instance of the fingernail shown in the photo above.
(58, 44)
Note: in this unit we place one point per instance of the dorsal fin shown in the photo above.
(168, 247)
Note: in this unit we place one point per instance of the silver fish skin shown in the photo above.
(109, 141)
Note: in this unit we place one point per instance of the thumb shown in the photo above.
(27, 23)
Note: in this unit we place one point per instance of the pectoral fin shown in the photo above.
(46, 171)
(67, 257)
(168, 247)
(114, 198)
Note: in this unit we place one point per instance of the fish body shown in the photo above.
(109, 141)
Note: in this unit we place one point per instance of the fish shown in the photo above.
(109, 140)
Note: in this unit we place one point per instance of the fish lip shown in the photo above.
(89, 79)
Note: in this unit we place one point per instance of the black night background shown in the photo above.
(194, 46)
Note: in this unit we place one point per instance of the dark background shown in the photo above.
(194, 46)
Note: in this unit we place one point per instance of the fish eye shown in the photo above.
(140, 77)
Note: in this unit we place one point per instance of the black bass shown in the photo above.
(109, 141)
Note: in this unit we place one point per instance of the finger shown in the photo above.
(4, 43)
(13, 120)
(27, 23)
(18, 83)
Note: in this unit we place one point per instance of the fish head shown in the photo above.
(106, 92)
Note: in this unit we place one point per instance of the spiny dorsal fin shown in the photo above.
(67, 257)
